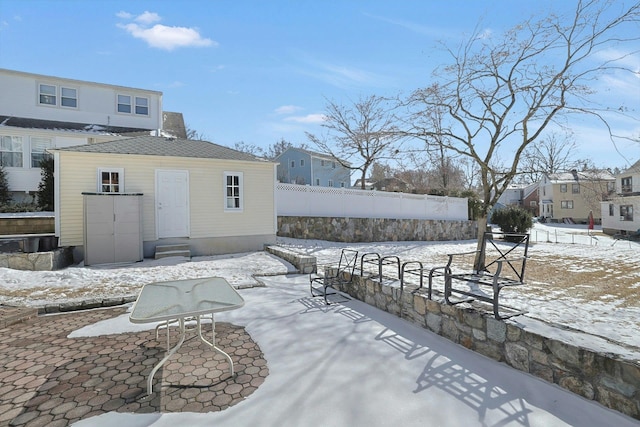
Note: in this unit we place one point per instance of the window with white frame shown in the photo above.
(233, 191)
(575, 188)
(142, 106)
(11, 151)
(129, 104)
(627, 184)
(124, 104)
(342, 184)
(330, 183)
(317, 181)
(293, 163)
(566, 204)
(57, 96)
(626, 212)
(301, 163)
(611, 209)
(68, 97)
(47, 94)
(563, 188)
(38, 150)
(111, 180)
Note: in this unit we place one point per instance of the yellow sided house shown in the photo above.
(120, 201)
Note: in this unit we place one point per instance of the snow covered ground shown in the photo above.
(351, 364)
(590, 284)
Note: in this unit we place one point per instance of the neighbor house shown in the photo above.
(571, 196)
(618, 211)
(211, 198)
(39, 112)
(304, 167)
(523, 195)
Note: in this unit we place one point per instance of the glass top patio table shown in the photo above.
(176, 299)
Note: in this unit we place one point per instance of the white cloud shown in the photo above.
(309, 118)
(287, 109)
(168, 38)
(162, 36)
(148, 18)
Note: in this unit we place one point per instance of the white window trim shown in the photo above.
(76, 97)
(240, 175)
(58, 95)
(130, 104)
(133, 104)
(120, 172)
(21, 140)
(31, 144)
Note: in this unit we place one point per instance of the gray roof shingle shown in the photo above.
(27, 123)
(160, 146)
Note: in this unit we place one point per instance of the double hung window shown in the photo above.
(129, 104)
(38, 153)
(11, 151)
(566, 204)
(47, 95)
(57, 96)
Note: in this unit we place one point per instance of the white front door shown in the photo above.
(172, 203)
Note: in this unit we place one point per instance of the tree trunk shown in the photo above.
(478, 263)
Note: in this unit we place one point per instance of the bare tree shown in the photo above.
(194, 134)
(360, 134)
(248, 148)
(552, 154)
(500, 94)
(380, 171)
(279, 147)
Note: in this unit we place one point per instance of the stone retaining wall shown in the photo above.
(606, 378)
(37, 261)
(304, 264)
(374, 229)
(27, 225)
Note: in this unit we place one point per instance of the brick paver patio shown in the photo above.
(51, 380)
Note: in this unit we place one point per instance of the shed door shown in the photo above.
(172, 203)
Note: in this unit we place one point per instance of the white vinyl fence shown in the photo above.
(302, 200)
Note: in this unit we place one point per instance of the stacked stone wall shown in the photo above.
(374, 229)
(607, 378)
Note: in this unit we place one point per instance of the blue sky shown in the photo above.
(259, 71)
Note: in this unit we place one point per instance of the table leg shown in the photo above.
(169, 354)
(213, 343)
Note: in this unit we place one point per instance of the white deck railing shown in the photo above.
(301, 200)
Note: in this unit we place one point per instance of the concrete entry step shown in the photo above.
(165, 251)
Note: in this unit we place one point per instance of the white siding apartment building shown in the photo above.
(39, 112)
